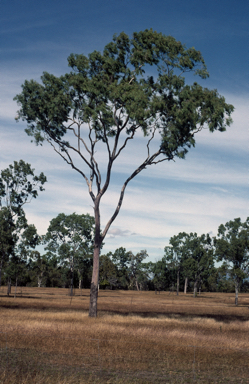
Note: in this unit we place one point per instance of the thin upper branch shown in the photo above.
(70, 162)
(93, 165)
(148, 144)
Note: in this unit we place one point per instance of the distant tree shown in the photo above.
(145, 276)
(7, 237)
(232, 246)
(136, 268)
(210, 283)
(55, 274)
(192, 255)
(39, 267)
(14, 271)
(121, 260)
(173, 268)
(70, 238)
(174, 257)
(180, 255)
(200, 260)
(27, 242)
(18, 186)
(224, 281)
(107, 272)
(108, 98)
(160, 275)
(84, 271)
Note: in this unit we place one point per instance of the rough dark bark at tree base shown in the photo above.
(93, 300)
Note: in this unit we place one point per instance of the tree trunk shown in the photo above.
(9, 286)
(94, 284)
(137, 285)
(72, 275)
(1, 266)
(95, 274)
(71, 284)
(236, 291)
(195, 288)
(186, 285)
(39, 281)
(178, 282)
(16, 288)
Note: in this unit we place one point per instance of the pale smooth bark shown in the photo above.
(137, 285)
(195, 288)
(16, 288)
(178, 282)
(95, 275)
(71, 284)
(236, 291)
(9, 287)
(185, 285)
(94, 283)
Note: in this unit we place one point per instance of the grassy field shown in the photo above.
(138, 337)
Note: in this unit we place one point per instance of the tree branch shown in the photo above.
(70, 162)
(121, 197)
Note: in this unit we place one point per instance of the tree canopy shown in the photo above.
(18, 186)
(70, 237)
(135, 84)
(232, 246)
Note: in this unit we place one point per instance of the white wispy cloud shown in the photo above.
(117, 232)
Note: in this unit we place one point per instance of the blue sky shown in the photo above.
(197, 194)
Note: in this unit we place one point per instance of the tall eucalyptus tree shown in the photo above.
(136, 84)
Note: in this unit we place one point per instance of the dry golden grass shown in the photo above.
(138, 337)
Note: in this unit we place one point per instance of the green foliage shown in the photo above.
(160, 275)
(70, 239)
(70, 235)
(18, 185)
(120, 258)
(192, 255)
(107, 272)
(137, 272)
(129, 270)
(232, 246)
(111, 92)
(7, 236)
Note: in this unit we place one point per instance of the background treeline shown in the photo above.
(191, 263)
(120, 270)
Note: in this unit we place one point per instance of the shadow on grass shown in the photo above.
(178, 315)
